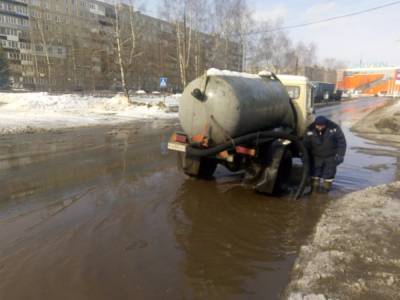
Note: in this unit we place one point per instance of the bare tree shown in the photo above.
(305, 56)
(127, 32)
(230, 23)
(188, 19)
(333, 64)
(118, 39)
(271, 49)
(40, 37)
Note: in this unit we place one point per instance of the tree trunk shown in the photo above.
(46, 51)
(119, 53)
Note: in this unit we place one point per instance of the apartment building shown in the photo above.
(14, 22)
(71, 45)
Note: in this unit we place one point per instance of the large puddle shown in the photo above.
(105, 214)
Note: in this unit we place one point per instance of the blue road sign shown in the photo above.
(163, 82)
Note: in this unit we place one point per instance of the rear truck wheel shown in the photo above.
(275, 176)
(282, 182)
(203, 167)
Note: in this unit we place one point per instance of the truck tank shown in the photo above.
(221, 105)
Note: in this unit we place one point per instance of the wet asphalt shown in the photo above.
(104, 213)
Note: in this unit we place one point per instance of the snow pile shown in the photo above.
(354, 252)
(216, 72)
(26, 112)
(391, 123)
(382, 124)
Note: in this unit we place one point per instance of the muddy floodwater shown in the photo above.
(104, 213)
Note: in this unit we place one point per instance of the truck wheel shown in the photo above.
(284, 172)
(207, 167)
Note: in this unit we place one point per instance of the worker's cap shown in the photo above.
(321, 120)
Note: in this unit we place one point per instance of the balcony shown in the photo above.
(21, 3)
(13, 14)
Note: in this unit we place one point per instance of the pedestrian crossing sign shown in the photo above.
(163, 82)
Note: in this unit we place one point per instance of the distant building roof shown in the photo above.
(370, 69)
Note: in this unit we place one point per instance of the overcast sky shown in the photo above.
(372, 38)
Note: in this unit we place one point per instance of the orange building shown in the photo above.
(370, 81)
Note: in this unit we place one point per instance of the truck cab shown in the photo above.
(299, 89)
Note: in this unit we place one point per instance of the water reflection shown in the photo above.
(239, 244)
(232, 238)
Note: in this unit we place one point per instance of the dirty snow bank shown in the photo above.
(354, 253)
(30, 112)
(383, 121)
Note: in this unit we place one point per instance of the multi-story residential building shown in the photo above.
(71, 45)
(14, 22)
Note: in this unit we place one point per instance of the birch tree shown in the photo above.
(181, 13)
(127, 39)
(39, 42)
(118, 39)
(271, 49)
(45, 48)
(33, 48)
(231, 22)
(244, 22)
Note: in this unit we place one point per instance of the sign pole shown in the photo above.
(163, 86)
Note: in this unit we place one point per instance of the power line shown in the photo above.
(328, 19)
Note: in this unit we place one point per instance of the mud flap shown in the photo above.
(268, 183)
(197, 167)
(189, 166)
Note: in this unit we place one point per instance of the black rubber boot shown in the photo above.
(315, 184)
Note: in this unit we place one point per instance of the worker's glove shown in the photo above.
(339, 159)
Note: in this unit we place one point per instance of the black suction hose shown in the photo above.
(192, 150)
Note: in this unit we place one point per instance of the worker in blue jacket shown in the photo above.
(326, 144)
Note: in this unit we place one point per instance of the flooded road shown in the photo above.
(103, 213)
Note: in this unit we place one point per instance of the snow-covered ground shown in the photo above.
(29, 112)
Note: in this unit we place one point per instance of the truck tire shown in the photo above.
(207, 167)
(283, 178)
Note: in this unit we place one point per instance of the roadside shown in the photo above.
(335, 102)
(383, 124)
(354, 251)
(35, 112)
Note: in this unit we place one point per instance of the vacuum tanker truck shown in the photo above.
(247, 123)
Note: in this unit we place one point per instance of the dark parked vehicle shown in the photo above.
(324, 92)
